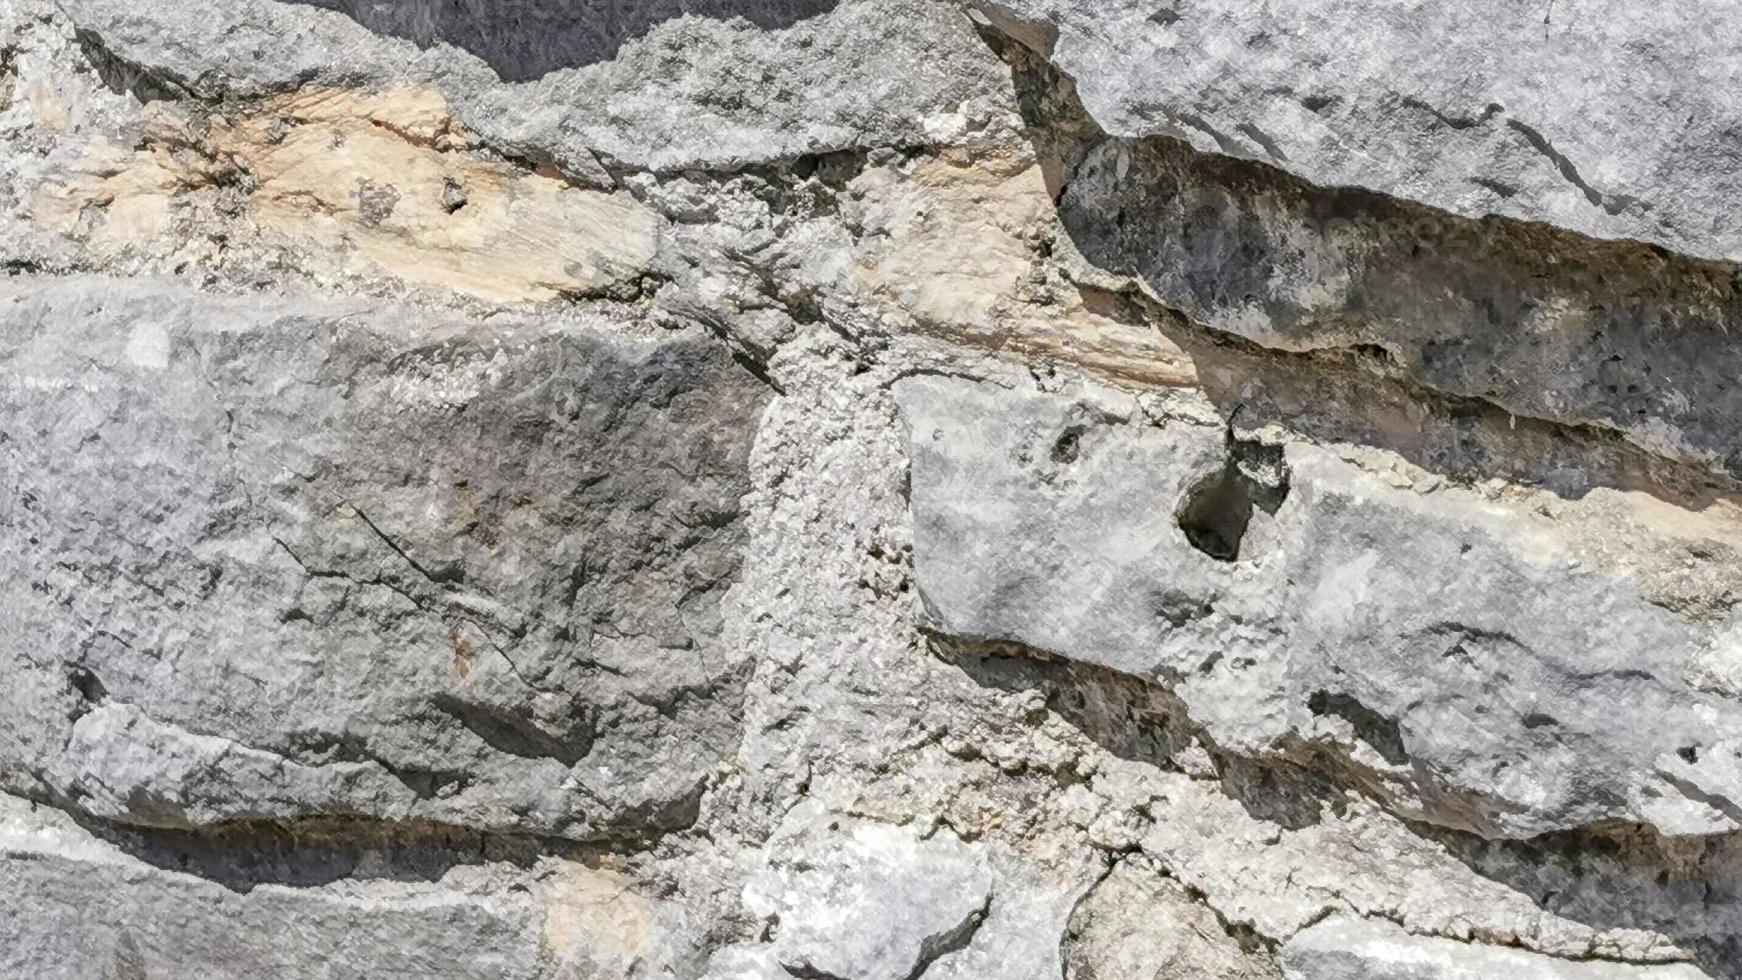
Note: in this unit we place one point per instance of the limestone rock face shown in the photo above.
(1453, 651)
(295, 557)
(1129, 928)
(1574, 114)
(869, 490)
(868, 900)
(87, 907)
(1377, 951)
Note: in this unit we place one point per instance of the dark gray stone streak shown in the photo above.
(525, 39)
(393, 568)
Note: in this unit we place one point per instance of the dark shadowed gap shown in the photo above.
(1427, 330)
(526, 39)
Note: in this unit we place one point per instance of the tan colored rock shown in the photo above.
(594, 911)
(965, 255)
(1139, 924)
(382, 179)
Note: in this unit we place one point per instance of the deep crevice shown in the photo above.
(124, 77)
(1205, 238)
(1379, 731)
(512, 733)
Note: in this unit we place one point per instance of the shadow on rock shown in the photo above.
(1613, 876)
(1624, 876)
(1473, 348)
(526, 39)
(319, 851)
(1142, 722)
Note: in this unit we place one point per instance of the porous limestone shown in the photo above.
(869, 490)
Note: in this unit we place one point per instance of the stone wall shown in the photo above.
(870, 490)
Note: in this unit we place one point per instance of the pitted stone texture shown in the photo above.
(858, 899)
(1456, 653)
(1536, 321)
(1602, 116)
(275, 558)
(525, 39)
(840, 896)
(1356, 949)
(79, 907)
(1139, 925)
(696, 91)
(252, 591)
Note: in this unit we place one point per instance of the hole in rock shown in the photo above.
(1217, 511)
(1216, 515)
(86, 685)
(1066, 448)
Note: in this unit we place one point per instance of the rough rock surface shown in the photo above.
(1572, 113)
(1347, 950)
(869, 490)
(465, 553)
(1461, 659)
